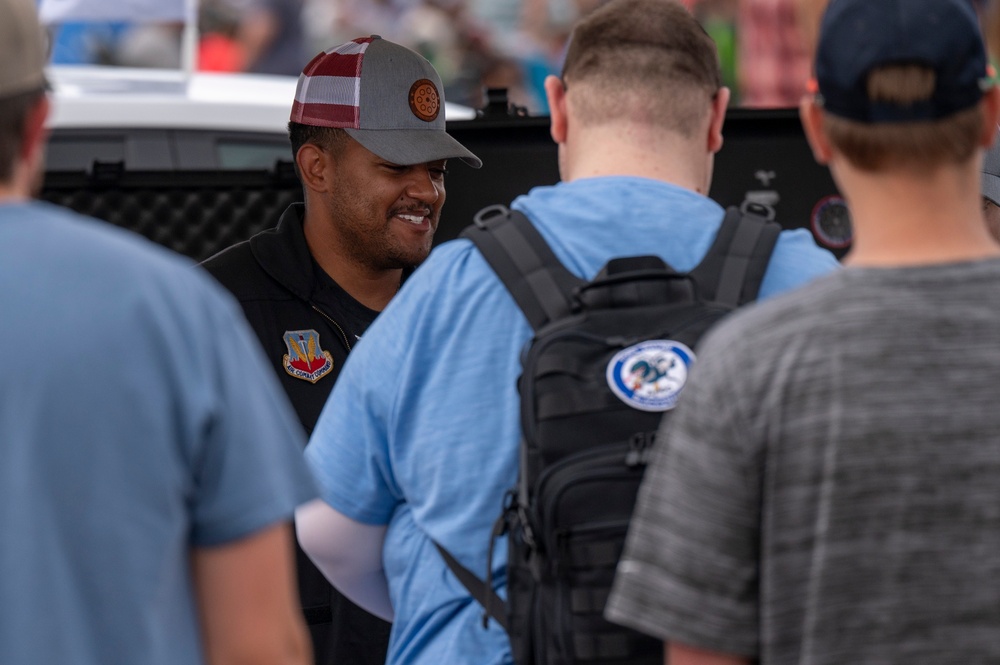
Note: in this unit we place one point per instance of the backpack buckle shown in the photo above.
(481, 218)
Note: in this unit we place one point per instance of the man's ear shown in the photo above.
(555, 93)
(811, 116)
(991, 116)
(719, 105)
(313, 163)
(35, 132)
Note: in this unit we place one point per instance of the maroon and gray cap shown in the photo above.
(385, 96)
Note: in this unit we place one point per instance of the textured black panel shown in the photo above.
(194, 214)
(765, 164)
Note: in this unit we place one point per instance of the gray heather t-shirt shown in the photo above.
(828, 490)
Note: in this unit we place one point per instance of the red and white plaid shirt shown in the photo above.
(773, 65)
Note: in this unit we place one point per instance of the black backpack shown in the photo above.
(607, 360)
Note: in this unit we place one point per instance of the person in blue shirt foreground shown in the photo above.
(149, 462)
(419, 438)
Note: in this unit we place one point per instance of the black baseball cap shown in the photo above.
(857, 36)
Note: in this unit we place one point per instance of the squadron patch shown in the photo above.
(305, 359)
(649, 376)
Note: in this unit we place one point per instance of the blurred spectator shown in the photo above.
(218, 48)
(457, 44)
(989, 12)
(357, 18)
(155, 45)
(85, 42)
(772, 61)
(271, 36)
(764, 45)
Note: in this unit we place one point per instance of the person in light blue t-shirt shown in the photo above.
(419, 439)
(149, 462)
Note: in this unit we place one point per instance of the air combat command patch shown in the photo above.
(305, 359)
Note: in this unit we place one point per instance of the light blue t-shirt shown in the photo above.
(137, 419)
(421, 430)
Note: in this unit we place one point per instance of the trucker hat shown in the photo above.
(856, 36)
(22, 48)
(991, 173)
(385, 96)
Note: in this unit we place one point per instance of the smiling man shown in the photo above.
(368, 135)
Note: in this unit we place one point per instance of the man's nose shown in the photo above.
(423, 186)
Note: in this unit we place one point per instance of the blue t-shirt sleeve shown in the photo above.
(247, 465)
(796, 260)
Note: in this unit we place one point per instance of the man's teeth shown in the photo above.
(412, 219)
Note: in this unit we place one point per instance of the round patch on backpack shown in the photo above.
(649, 376)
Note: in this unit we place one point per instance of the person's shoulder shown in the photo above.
(455, 265)
(234, 257)
(799, 245)
(774, 321)
(796, 261)
(238, 270)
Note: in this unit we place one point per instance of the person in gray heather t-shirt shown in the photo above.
(828, 490)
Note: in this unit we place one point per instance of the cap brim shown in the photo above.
(413, 146)
(991, 187)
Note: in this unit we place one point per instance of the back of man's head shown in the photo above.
(646, 61)
(22, 76)
(900, 82)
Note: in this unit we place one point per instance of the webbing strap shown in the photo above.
(484, 595)
(614, 646)
(570, 404)
(588, 601)
(524, 262)
(597, 554)
(733, 268)
(563, 363)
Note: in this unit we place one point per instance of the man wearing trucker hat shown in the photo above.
(828, 490)
(368, 136)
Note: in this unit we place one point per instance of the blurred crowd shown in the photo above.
(764, 45)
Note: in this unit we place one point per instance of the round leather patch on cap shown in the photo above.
(425, 102)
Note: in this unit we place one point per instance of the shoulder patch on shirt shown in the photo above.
(305, 359)
(649, 376)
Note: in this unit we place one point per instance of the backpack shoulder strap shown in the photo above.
(483, 593)
(539, 283)
(733, 268)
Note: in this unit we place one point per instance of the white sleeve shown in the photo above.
(348, 553)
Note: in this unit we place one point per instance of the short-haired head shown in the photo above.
(22, 75)
(900, 81)
(645, 60)
(384, 96)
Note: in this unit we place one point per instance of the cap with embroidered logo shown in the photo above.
(385, 96)
(22, 48)
(858, 36)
